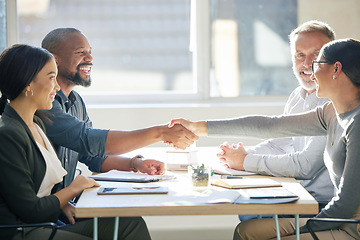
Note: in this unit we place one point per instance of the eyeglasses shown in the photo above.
(315, 65)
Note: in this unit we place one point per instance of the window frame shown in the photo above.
(11, 22)
(200, 46)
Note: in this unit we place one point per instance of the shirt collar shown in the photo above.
(304, 94)
(67, 101)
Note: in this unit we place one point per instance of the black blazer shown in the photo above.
(22, 169)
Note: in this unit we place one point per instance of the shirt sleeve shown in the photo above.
(68, 131)
(273, 146)
(94, 163)
(264, 127)
(277, 161)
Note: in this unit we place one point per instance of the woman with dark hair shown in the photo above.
(337, 76)
(29, 167)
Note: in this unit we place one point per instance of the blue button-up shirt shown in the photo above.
(73, 137)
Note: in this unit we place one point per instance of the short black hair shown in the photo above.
(53, 39)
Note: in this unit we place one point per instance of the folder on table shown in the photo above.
(246, 183)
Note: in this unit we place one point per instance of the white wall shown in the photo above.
(343, 16)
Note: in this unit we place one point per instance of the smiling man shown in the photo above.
(71, 133)
(298, 157)
(71, 130)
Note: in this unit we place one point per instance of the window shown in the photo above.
(142, 48)
(250, 54)
(139, 47)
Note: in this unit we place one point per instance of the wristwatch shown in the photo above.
(132, 163)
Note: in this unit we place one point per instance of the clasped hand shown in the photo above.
(232, 156)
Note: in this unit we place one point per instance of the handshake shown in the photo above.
(182, 133)
(185, 132)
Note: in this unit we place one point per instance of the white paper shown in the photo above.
(115, 175)
(229, 171)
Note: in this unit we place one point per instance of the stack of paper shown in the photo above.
(124, 176)
(229, 171)
(266, 196)
(278, 192)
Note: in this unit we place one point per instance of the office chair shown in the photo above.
(21, 226)
(53, 226)
(338, 220)
(78, 171)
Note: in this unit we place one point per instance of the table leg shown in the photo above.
(297, 230)
(116, 228)
(95, 228)
(277, 226)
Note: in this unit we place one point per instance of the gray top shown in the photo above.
(341, 152)
(299, 157)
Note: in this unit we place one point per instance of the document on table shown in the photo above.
(124, 176)
(218, 169)
(246, 183)
(244, 200)
(270, 192)
(200, 197)
(231, 196)
(266, 196)
(132, 190)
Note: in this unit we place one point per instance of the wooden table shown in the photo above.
(183, 200)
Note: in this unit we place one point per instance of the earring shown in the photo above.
(334, 77)
(32, 93)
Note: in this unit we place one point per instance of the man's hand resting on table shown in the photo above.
(121, 163)
(232, 156)
(150, 166)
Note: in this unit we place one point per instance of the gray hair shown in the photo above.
(312, 26)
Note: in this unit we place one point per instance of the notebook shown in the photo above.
(132, 190)
(246, 183)
(124, 176)
(270, 192)
(267, 195)
(229, 171)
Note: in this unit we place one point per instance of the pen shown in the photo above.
(233, 177)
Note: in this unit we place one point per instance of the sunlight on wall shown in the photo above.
(225, 52)
(343, 16)
(30, 7)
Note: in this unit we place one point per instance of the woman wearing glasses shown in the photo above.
(337, 76)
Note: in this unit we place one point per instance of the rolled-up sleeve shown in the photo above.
(68, 131)
(94, 163)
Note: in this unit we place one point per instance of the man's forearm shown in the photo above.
(116, 162)
(120, 142)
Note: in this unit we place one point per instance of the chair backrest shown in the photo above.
(53, 227)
